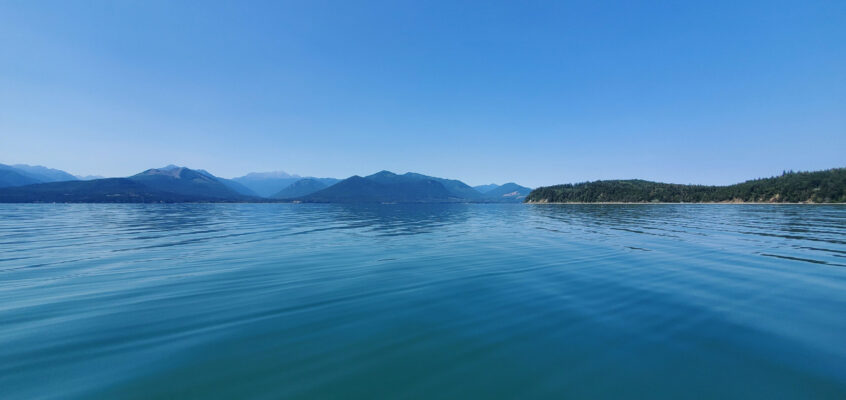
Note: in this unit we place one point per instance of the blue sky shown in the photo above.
(534, 92)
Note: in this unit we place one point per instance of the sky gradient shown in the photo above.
(533, 92)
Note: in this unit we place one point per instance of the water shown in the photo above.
(423, 301)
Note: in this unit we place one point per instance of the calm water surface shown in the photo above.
(425, 301)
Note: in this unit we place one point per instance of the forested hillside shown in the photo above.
(827, 186)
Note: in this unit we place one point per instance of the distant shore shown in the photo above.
(818, 187)
(664, 203)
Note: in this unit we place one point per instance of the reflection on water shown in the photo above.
(422, 301)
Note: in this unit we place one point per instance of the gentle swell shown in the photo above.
(422, 301)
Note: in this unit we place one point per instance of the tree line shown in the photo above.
(827, 186)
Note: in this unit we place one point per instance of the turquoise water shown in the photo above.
(422, 301)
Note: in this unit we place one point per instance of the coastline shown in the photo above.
(665, 203)
(422, 203)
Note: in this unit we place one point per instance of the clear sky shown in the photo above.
(539, 93)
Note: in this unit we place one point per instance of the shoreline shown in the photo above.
(697, 203)
(426, 203)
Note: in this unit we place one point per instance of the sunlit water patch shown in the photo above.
(422, 301)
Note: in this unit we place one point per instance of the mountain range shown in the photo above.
(180, 184)
(266, 184)
(388, 187)
(170, 184)
(22, 174)
(37, 184)
(271, 184)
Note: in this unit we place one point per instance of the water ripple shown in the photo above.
(422, 301)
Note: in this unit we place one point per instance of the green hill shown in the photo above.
(827, 186)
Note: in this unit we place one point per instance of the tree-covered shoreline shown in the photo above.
(827, 186)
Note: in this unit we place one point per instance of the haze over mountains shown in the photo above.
(180, 184)
(269, 184)
(486, 188)
(37, 184)
(388, 187)
(304, 187)
(266, 184)
(22, 174)
(89, 177)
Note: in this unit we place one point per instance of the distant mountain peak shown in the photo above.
(410, 187)
(509, 190)
(384, 173)
(190, 182)
(39, 174)
(170, 170)
(204, 172)
(31, 166)
(177, 172)
(269, 175)
(89, 177)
